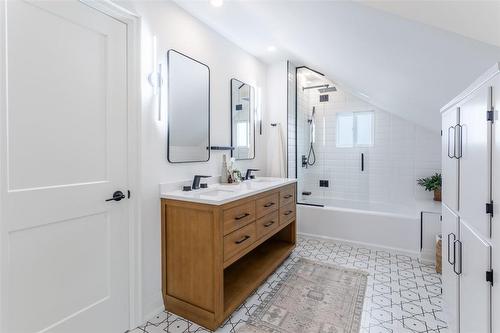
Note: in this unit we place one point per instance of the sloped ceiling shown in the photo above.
(474, 19)
(402, 66)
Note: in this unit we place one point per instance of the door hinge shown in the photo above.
(490, 115)
(489, 208)
(489, 276)
(128, 194)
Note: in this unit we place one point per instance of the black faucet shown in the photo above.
(249, 173)
(196, 181)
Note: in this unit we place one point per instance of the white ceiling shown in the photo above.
(404, 66)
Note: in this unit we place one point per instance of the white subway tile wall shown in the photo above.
(401, 153)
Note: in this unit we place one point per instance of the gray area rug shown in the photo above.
(313, 297)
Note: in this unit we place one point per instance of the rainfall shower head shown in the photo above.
(327, 89)
(322, 88)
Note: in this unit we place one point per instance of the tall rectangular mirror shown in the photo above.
(242, 120)
(188, 131)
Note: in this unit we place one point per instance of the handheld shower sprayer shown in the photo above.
(311, 156)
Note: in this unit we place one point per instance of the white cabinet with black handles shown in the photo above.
(471, 167)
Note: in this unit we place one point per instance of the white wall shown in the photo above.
(176, 29)
(277, 111)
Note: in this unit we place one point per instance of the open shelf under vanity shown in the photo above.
(248, 273)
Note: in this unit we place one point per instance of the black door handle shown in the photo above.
(117, 196)
(458, 272)
(449, 142)
(449, 252)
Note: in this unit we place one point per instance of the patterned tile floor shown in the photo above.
(403, 294)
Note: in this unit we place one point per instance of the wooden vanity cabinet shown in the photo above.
(214, 256)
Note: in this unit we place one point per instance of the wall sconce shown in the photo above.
(155, 78)
(258, 101)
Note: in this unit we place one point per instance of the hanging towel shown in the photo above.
(277, 166)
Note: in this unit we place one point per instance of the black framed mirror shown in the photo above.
(188, 130)
(242, 120)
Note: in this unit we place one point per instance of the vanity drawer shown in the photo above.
(267, 204)
(239, 240)
(239, 216)
(287, 213)
(287, 195)
(267, 224)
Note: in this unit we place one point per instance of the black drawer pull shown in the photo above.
(242, 216)
(288, 212)
(269, 204)
(267, 225)
(239, 241)
(288, 196)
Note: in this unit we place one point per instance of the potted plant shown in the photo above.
(432, 183)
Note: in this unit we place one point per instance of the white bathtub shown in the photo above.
(386, 225)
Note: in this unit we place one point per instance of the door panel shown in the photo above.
(475, 291)
(450, 233)
(495, 229)
(475, 162)
(66, 127)
(78, 100)
(449, 164)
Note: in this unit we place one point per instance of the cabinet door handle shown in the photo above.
(267, 225)
(288, 212)
(449, 243)
(288, 196)
(242, 216)
(244, 238)
(449, 142)
(458, 272)
(457, 149)
(269, 204)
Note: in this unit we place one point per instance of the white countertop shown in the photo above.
(219, 194)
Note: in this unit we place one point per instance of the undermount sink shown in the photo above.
(263, 180)
(215, 193)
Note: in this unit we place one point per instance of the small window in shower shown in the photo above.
(355, 129)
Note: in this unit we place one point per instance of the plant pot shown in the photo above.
(437, 195)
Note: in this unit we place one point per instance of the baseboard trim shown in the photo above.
(152, 314)
(372, 245)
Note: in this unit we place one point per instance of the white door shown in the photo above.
(450, 234)
(65, 121)
(475, 291)
(475, 177)
(449, 158)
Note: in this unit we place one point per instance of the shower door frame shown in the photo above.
(297, 68)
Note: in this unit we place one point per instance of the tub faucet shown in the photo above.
(196, 181)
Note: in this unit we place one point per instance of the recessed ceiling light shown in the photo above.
(271, 48)
(216, 3)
